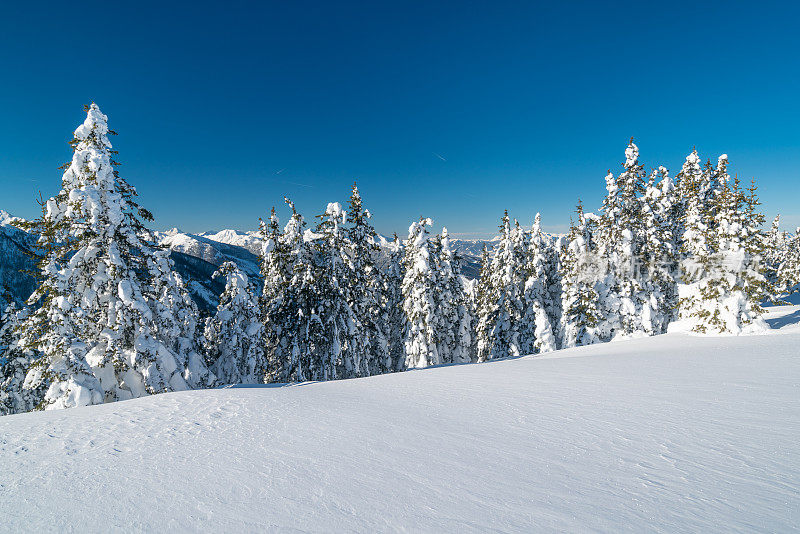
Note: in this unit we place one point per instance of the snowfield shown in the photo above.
(664, 434)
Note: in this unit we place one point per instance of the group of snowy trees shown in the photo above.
(687, 249)
(112, 320)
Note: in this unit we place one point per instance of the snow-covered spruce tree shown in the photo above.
(687, 185)
(454, 322)
(558, 246)
(660, 250)
(365, 287)
(485, 310)
(774, 254)
(394, 314)
(176, 319)
(342, 352)
(15, 361)
(751, 269)
(418, 298)
(789, 271)
(95, 329)
(579, 278)
(537, 298)
(460, 288)
(500, 322)
(284, 261)
(626, 307)
(723, 283)
(233, 337)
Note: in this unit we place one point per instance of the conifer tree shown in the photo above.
(789, 270)
(286, 261)
(774, 254)
(233, 335)
(454, 338)
(365, 286)
(503, 310)
(274, 314)
(485, 309)
(579, 271)
(395, 317)
(621, 238)
(660, 250)
(418, 298)
(555, 289)
(539, 332)
(723, 283)
(95, 329)
(176, 318)
(687, 183)
(341, 349)
(15, 361)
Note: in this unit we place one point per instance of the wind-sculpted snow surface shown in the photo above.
(670, 433)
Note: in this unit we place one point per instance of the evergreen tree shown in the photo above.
(176, 319)
(503, 311)
(365, 287)
(723, 283)
(660, 250)
(394, 314)
(15, 361)
(555, 289)
(285, 315)
(454, 322)
(539, 332)
(418, 298)
(233, 336)
(789, 271)
(688, 196)
(341, 349)
(485, 309)
(774, 255)
(621, 237)
(579, 272)
(95, 328)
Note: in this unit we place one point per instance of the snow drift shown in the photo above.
(668, 433)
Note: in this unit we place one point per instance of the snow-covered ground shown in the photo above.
(666, 434)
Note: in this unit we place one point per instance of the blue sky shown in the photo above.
(452, 110)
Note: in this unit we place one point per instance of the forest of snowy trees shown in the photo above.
(112, 320)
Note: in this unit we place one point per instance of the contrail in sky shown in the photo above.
(439, 156)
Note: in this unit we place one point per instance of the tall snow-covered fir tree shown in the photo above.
(774, 255)
(723, 283)
(394, 313)
(418, 298)
(341, 349)
(789, 270)
(579, 278)
(500, 319)
(365, 287)
(454, 321)
(485, 309)
(176, 318)
(626, 307)
(660, 250)
(96, 329)
(285, 260)
(233, 336)
(537, 298)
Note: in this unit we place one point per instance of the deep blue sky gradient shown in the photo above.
(452, 110)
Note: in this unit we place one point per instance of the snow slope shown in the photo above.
(665, 434)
